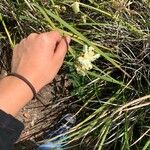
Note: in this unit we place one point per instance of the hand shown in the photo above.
(39, 57)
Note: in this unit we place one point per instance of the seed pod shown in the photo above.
(63, 8)
(57, 7)
(84, 18)
(76, 7)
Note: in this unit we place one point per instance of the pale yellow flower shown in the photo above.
(86, 59)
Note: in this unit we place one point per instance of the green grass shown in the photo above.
(115, 93)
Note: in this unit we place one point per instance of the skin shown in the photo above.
(38, 58)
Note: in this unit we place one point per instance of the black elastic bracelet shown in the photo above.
(24, 80)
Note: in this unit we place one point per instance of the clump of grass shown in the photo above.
(113, 96)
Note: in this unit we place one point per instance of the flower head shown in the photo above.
(86, 59)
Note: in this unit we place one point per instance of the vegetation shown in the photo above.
(108, 63)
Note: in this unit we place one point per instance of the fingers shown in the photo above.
(51, 39)
(61, 50)
(46, 40)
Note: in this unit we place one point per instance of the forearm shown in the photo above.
(14, 95)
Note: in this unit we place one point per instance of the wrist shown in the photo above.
(14, 94)
(33, 79)
(23, 79)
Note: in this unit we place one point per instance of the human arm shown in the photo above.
(37, 58)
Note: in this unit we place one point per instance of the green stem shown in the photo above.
(7, 32)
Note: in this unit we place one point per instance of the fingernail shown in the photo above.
(68, 39)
